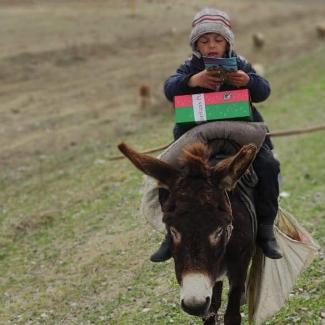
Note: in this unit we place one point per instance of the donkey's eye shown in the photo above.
(215, 237)
(176, 235)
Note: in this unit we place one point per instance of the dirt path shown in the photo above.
(69, 78)
(68, 66)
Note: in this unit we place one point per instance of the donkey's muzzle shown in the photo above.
(197, 309)
(196, 293)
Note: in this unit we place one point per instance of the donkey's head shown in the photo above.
(198, 215)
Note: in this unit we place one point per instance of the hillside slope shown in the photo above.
(73, 247)
(86, 258)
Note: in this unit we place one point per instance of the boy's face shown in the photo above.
(212, 44)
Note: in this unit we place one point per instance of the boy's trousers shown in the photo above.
(266, 191)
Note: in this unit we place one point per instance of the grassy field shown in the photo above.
(73, 247)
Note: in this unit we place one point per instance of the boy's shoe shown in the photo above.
(164, 252)
(266, 240)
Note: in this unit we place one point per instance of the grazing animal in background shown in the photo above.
(258, 40)
(211, 229)
(145, 96)
(320, 29)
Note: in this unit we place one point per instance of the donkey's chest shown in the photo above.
(221, 275)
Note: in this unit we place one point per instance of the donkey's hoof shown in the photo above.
(211, 319)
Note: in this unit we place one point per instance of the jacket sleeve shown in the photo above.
(177, 84)
(259, 87)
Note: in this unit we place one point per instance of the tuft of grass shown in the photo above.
(74, 249)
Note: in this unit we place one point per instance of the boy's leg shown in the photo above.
(266, 195)
(164, 252)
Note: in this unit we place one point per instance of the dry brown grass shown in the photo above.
(70, 73)
(67, 67)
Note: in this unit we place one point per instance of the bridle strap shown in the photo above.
(229, 227)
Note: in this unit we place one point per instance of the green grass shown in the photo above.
(74, 249)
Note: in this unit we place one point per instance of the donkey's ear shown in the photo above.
(229, 171)
(153, 167)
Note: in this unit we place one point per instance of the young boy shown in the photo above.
(212, 36)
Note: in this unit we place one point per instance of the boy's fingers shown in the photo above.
(233, 74)
(212, 76)
(216, 79)
(235, 80)
(211, 85)
(235, 77)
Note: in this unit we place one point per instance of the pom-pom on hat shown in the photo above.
(210, 20)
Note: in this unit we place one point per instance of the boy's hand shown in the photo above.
(205, 79)
(238, 78)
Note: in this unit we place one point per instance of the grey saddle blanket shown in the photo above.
(224, 138)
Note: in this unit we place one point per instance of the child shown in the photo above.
(212, 36)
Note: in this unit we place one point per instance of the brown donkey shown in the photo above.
(210, 227)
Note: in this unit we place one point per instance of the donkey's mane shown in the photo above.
(195, 158)
(193, 153)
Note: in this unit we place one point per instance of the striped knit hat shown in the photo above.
(210, 20)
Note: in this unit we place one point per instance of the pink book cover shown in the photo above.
(218, 97)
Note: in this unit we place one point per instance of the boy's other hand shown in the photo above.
(205, 79)
(238, 78)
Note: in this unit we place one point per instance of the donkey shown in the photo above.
(210, 227)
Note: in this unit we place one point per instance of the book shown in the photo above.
(226, 64)
(220, 105)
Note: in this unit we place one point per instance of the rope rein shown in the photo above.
(271, 134)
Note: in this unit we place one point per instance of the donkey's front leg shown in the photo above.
(212, 317)
(237, 272)
(232, 315)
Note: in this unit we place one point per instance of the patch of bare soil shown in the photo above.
(70, 65)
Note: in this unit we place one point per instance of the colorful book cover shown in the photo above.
(227, 64)
(221, 105)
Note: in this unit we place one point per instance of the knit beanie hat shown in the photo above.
(210, 20)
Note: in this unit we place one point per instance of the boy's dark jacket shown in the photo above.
(177, 84)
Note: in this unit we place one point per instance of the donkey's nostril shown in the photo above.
(196, 309)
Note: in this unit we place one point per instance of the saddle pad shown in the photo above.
(223, 134)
